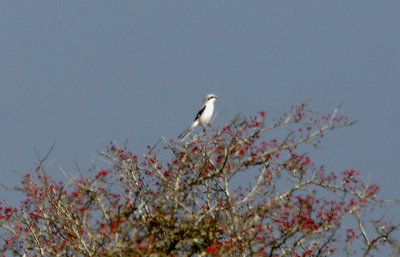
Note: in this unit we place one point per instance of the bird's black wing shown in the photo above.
(200, 112)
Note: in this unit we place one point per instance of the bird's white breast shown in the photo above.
(206, 115)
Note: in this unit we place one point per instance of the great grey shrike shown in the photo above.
(203, 116)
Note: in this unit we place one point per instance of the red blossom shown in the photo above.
(101, 173)
(212, 249)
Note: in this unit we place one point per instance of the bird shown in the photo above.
(203, 116)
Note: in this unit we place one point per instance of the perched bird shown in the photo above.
(203, 116)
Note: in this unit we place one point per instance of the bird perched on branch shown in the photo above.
(203, 116)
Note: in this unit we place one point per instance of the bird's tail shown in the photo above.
(185, 133)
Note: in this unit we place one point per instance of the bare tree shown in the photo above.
(248, 188)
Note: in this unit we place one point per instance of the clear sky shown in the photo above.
(82, 73)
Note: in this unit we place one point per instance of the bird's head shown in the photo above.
(210, 97)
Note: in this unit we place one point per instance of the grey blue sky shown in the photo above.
(82, 73)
